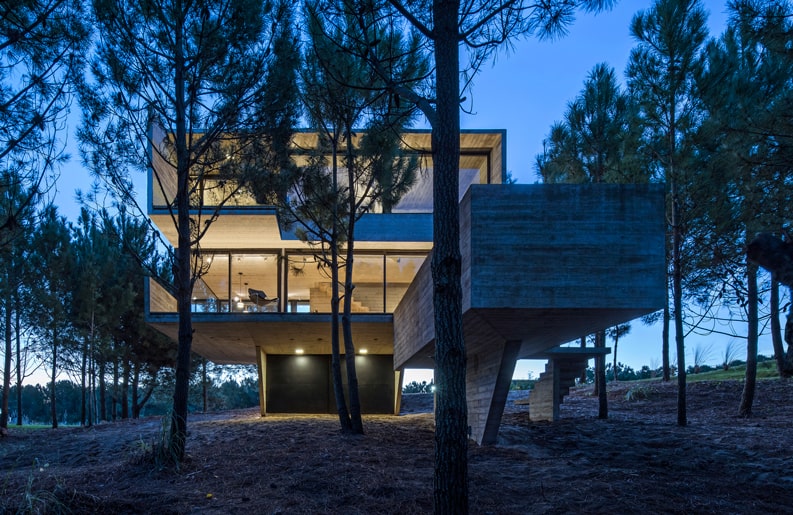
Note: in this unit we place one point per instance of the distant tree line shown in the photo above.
(222, 393)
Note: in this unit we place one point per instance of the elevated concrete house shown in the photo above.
(542, 265)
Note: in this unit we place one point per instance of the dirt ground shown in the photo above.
(638, 460)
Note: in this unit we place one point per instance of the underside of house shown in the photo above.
(542, 265)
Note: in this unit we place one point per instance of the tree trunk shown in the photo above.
(600, 376)
(115, 396)
(17, 331)
(677, 293)
(135, 384)
(614, 360)
(789, 337)
(582, 379)
(346, 323)
(53, 398)
(91, 389)
(178, 432)
(752, 323)
(451, 412)
(776, 332)
(335, 354)
(137, 408)
(204, 390)
(666, 367)
(102, 391)
(7, 369)
(335, 359)
(182, 267)
(124, 398)
(83, 385)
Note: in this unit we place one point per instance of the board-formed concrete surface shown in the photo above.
(541, 265)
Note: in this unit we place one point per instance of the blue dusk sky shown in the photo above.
(524, 91)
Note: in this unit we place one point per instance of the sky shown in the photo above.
(524, 92)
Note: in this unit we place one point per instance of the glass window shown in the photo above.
(211, 291)
(254, 283)
(367, 276)
(400, 272)
(308, 283)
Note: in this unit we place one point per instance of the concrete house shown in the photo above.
(542, 265)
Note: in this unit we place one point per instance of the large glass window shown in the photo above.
(400, 272)
(254, 283)
(308, 285)
(211, 291)
(368, 296)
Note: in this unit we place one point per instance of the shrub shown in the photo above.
(640, 393)
(416, 387)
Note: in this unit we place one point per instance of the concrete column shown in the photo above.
(398, 379)
(489, 374)
(261, 366)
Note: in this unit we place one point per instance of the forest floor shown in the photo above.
(639, 460)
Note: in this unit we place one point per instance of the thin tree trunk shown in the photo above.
(776, 332)
(17, 328)
(83, 385)
(91, 389)
(614, 360)
(7, 368)
(135, 384)
(125, 390)
(204, 389)
(346, 323)
(789, 336)
(600, 376)
(138, 408)
(451, 412)
(752, 323)
(677, 293)
(183, 275)
(53, 398)
(115, 395)
(102, 391)
(335, 354)
(582, 379)
(666, 367)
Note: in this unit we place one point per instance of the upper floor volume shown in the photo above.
(482, 161)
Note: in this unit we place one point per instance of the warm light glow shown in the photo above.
(364, 351)
(298, 351)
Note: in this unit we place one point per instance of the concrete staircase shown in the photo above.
(554, 384)
(565, 365)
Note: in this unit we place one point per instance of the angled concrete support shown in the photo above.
(399, 377)
(488, 376)
(509, 357)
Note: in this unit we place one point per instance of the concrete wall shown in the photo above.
(544, 264)
(564, 246)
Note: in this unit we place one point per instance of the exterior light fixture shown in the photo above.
(364, 351)
(299, 351)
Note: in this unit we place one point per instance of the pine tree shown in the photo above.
(43, 46)
(480, 29)
(199, 75)
(670, 37)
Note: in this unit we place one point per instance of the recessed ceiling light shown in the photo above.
(299, 351)
(364, 351)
